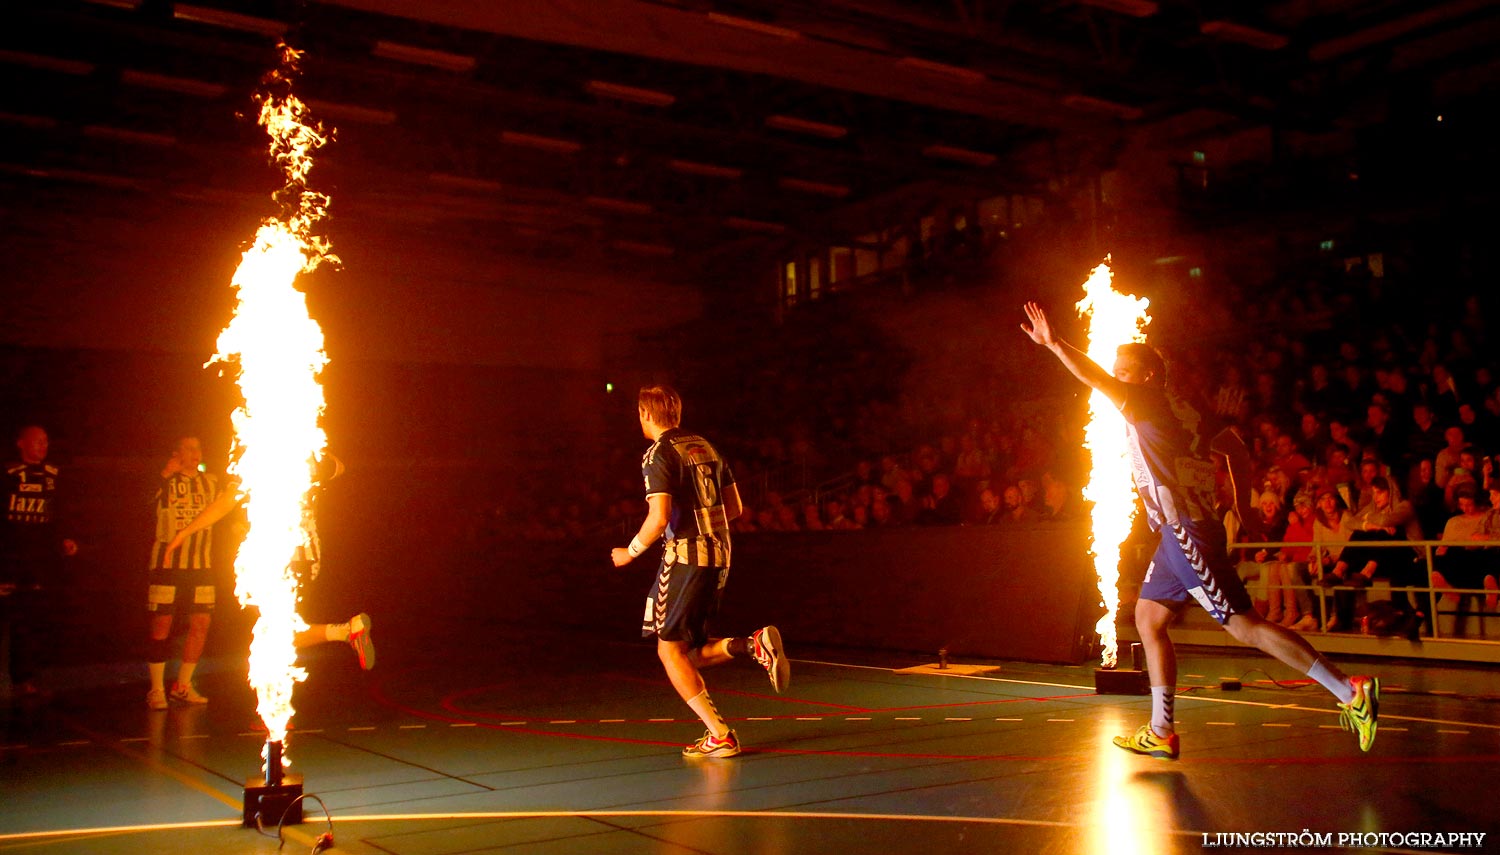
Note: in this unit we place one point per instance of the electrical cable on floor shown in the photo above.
(324, 841)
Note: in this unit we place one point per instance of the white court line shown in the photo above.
(413, 727)
(464, 724)
(1261, 704)
(358, 729)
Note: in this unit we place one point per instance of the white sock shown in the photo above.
(337, 632)
(1332, 679)
(158, 672)
(185, 673)
(1162, 700)
(704, 707)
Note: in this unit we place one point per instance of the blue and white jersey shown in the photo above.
(1169, 451)
(687, 468)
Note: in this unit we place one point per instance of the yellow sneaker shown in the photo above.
(1145, 741)
(1360, 714)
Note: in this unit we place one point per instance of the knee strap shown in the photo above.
(158, 650)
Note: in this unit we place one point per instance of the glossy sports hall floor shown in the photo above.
(568, 744)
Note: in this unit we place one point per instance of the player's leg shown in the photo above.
(183, 690)
(764, 646)
(356, 633)
(686, 600)
(161, 604)
(1162, 593)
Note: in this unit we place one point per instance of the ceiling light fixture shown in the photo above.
(39, 122)
(962, 155)
(621, 206)
(754, 26)
(229, 20)
(707, 170)
(1133, 8)
(453, 62)
(806, 126)
(1091, 104)
(745, 224)
(349, 112)
(817, 188)
(636, 247)
(105, 132)
(463, 182)
(537, 141)
(46, 63)
(633, 94)
(1229, 31)
(942, 69)
(181, 85)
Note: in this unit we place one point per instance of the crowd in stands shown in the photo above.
(1368, 404)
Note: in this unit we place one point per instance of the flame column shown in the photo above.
(1113, 319)
(275, 349)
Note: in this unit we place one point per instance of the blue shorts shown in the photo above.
(1192, 561)
(682, 603)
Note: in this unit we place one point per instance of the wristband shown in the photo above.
(636, 547)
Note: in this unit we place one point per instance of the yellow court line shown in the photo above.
(187, 780)
(603, 814)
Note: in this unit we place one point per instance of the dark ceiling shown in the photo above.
(674, 128)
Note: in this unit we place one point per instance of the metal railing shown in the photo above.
(1425, 550)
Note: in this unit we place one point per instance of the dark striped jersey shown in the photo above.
(30, 511)
(179, 500)
(686, 467)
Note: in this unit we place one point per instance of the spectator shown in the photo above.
(1384, 518)
(990, 512)
(1459, 566)
(941, 507)
(1446, 458)
(1016, 511)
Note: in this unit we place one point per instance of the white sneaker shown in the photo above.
(156, 700)
(186, 694)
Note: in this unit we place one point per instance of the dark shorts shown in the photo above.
(180, 591)
(1466, 568)
(1192, 562)
(683, 601)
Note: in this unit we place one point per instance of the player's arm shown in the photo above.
(1076, 361)
(733, 507)
(658, 511)
(216, 510)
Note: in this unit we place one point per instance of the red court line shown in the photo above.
(1353, 759)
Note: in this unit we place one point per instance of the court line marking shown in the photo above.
(622, 814)
(1262, 704)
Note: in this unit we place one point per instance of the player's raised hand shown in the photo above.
(1040, 330)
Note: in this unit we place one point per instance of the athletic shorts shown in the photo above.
(1192, 562)
(187, 591)
(682, 603)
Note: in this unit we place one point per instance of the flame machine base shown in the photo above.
(271, 801)
(276, 798)
(1125, 681)
(1121, 681)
